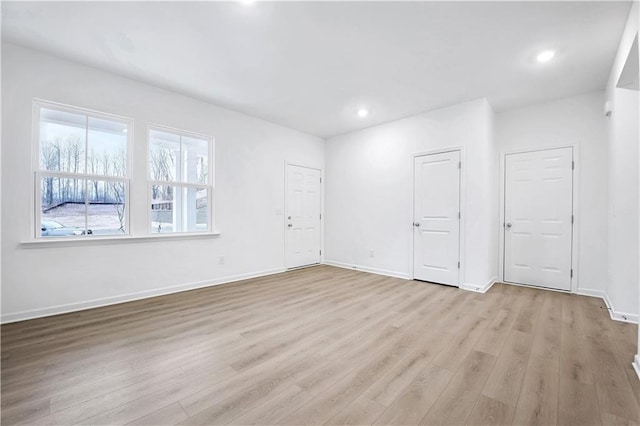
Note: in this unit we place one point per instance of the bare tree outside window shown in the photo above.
(83, 168)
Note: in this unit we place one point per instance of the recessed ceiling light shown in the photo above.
(363, 112)
(246, 2)
(545, 55)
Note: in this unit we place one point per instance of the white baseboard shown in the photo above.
(479, 289)
(617, 315)
(613, 313)
(96, 303)
(636, 364)
(591, 293)
(394, 274)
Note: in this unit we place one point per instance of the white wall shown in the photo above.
(369, 191)
(575, 121)
(622, 285)
(623, 278)
(249, 175)
(636, 361)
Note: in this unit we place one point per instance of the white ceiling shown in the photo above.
(311, 65)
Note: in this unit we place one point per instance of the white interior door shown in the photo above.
(303, 216)
(436, 218)
(538, 209)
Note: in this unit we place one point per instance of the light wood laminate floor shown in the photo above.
(325, 345)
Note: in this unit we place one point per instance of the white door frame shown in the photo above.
(463, 205)
(286, 208)
(575, 234)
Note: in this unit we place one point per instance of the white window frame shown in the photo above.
(37, 174)
(209, 185)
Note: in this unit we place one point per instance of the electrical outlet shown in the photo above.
(371, 253)
(221, 260)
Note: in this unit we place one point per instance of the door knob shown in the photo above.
(509, 225)
(290, 225)
(416, 224)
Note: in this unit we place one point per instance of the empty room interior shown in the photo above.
(262, 212)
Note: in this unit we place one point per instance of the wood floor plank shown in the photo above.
(362, 411)
(577, 403)
(505, 381)
(615, 394)
(496, 334)
(354, 381)
(325, 345)
(575, 362)
(538, 399)
(169, 415)
(26, 412)
(527, 317)
(274, 409)
(414, 402)
(547, 337)
(611, 420)
(489, 411)
(461, 343)
(454, 405)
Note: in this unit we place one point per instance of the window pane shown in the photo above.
(164, 149)
(62, 141)
(63, 208)
(195, 209)
(176, 209)
(195, 154)
(107, 147)
(163, 214)
(106, 207)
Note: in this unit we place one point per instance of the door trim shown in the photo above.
(463, 208)
(288, 163)
(575, 234)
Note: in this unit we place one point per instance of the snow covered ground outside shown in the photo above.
(102, 218)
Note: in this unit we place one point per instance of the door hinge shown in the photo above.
(573, 165)
(572, 273)
(460, 164)
(320, 216)
(320, 252)
(458, 265)
(459, 215)
(320, 180)
(572, 219)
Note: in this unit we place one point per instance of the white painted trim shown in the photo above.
(96, 303)
(590, 292)
(463, 207)
(384, 272)
(479, 289)
(210, 185)
(36, 212)
(537, 287)
(113, 239)
(636, 365)
(613, 313)
(576, 213)
(617, 315)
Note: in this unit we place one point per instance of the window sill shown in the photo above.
(102, 240)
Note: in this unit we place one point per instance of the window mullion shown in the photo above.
(86, 170)
(68, 175)
(178, 196)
